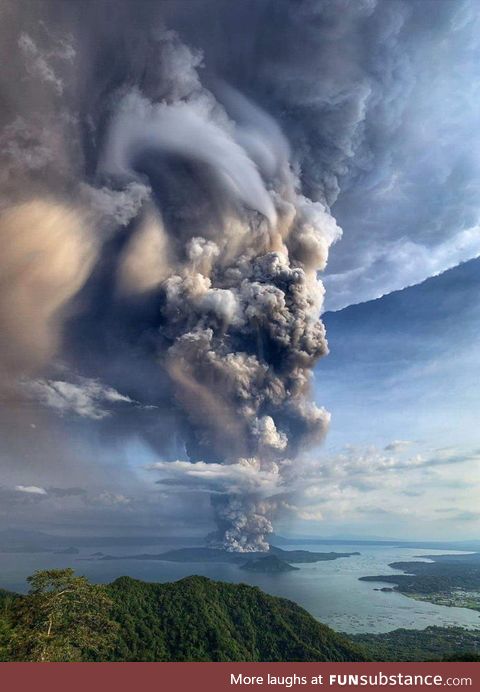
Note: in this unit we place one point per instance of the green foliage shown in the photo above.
(6, 600)
(428, 578)
(432, 643)
(63, 618)
(196, 619)
(467, 656)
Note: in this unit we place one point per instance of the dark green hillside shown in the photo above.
(451, 580)
(432, 643)
(196, 619)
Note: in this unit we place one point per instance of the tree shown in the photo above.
(6, 600)
(63, 618)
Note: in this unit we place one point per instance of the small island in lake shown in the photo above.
(270, 564)
(197, 554)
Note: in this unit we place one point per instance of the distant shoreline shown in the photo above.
(448, 580)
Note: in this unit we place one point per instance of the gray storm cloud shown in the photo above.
(169, 172)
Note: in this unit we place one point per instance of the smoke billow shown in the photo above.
(234, 279)
(167, 174)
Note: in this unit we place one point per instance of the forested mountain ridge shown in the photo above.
(66, 618)
(197, 619)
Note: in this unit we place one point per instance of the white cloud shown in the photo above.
(397, 265)
(248, 475)
(110, 499)
(37, 64)
(31, 489)
(86, 398)
(355, 482)
(309, 514)
(372, 481)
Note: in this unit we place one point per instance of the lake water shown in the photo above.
(330, 591)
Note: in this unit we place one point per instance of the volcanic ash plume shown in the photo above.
(240, 300)
(203, 301)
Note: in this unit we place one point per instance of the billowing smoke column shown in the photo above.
(235, 278)
(175, 212)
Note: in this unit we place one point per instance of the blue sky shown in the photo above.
(402, 384)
